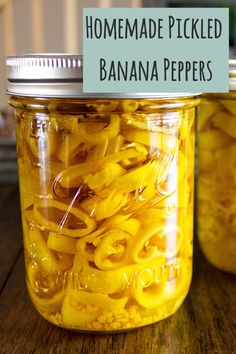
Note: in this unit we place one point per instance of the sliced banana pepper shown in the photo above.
(131, 226)
(158, 294)
(155, 140)
(186, 123)
(206, 160)
(82, 224)
(226, 122)
(128, 106)
(44, 256)
(98, 152)
(99, 137)
(51, 305)
(115, 144)
(138, 178)
(104, 177)
(110, 281)
(44, 143)
(135, 121)
(85, 246)
(118, 234)
(74, 316)
(61, 243)
(206, 111)
(156, 241)
(213, 139)
(225, 160)
(72, 176)
(70, 147)
(104, 106)
(101, 208)
(112, 250)
(229, 104)
(215, 192)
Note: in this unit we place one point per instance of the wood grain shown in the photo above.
(10, 231)
(4, 193)
(205, 324)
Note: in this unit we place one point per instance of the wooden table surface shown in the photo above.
(206, 322)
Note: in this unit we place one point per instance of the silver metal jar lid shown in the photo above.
(232, 73)
(59, 75)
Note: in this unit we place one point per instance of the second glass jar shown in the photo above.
(217, 179)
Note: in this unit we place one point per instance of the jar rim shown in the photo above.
(60, 75)
(232, 73)
(232, 65)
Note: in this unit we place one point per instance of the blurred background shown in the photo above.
(29, 26)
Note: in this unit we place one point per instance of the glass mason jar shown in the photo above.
(106, 187)
(217, 176)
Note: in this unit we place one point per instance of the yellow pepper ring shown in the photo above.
(70, 147)
(158, 140)
(206, 111)
(73, 316)
(72, 176)
(85, 245)
(133, 120)
(98, 152)
(104, 177)
(136, 179)
(45, 257)
(150, 243)
(98, 137)
(102, 208)
(153, 296)
(128, 106)
(43, 143)
(111, 252)
(104, 106)
(156, 294)
(61, 243)
(51, 305)
(131, 226)
(58, 226)
(111, 281)
(213, 139)
(130, 153)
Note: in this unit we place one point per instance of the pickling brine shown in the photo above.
(217, 179)
(106, 186)
(107, 197)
